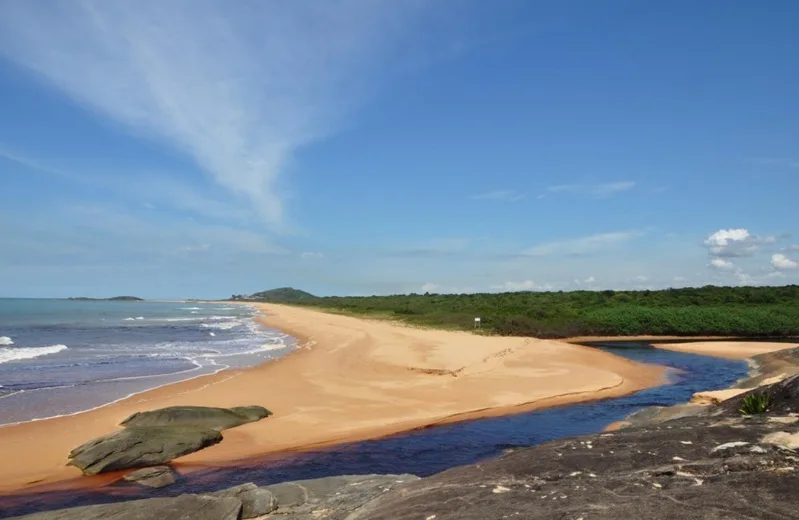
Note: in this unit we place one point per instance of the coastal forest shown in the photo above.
(704, 311)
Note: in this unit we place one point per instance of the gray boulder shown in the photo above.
(184, 507)
(255, 501)
(198, 417)
(156, 477)
(140, 447)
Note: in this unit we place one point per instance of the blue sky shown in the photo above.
(202, 148)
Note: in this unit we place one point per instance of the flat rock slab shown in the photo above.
(140, 447)
(331, 498)
(198, 417)
(184, 507)
(155, 477)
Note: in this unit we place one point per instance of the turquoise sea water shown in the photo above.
(64, 356)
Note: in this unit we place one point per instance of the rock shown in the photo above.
(140, 447)
(158, 436)
(179, 508)
(255, 501)
(198, 417)
(156, 477)
(331, 498)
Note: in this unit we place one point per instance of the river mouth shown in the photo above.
(432, 450)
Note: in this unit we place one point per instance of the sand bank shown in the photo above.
(727, 349)
(351, 379)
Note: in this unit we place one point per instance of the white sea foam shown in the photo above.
(212, 333)
(14, 354)
(5, 340)
(222, 325)
(190, 308)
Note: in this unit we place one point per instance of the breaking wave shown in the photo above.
(14, 354)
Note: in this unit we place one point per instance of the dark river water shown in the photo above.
(429, 451)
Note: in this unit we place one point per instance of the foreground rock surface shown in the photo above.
(331, 498)
(159, 436)
(184, 507)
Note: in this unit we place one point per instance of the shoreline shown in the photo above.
(349, 379)
(195, 368)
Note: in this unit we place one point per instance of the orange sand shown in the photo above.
(351, 379)
(727, 349)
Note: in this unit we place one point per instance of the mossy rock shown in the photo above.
(198, 417)
(140, 447)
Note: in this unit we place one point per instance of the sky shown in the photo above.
(200, 148)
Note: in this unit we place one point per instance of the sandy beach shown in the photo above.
(350, 379)
(727, 349)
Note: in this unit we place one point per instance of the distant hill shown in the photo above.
(114, 299)
(280, 295)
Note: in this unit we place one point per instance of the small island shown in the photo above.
(114, 299)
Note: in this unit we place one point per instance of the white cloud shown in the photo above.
(720, 263)
(735, 242)
(794, 247)
(780, 261)
(237, 89)
(430, 287)
(311, 255)
(501, 195)
(526, 285)
(581, 245)
(600, 190)
(680, 279)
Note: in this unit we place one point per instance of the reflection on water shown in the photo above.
(429, 451)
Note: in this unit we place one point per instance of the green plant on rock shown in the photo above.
(753, 404)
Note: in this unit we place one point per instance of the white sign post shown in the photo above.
(477, 323)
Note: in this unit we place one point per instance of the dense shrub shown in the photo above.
(710, 310)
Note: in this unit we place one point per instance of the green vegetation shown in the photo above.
(755, 403)
(281, 295)
(710, 311)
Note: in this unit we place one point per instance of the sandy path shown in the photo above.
(727, 349)
(353, 379)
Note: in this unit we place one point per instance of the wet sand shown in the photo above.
(350, 379)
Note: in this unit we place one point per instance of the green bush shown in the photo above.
(753, 404)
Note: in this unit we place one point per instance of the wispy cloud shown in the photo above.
(499, 195)
(776, 161)
(593, 190)
(238, 88)
(581, 245)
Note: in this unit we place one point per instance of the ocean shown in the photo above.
(60, 357)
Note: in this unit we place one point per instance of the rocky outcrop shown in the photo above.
(198, 417)
(156, 477)
(331, 498)
(719, 466)
(184, 507)
(139, 447)
(159, 436)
